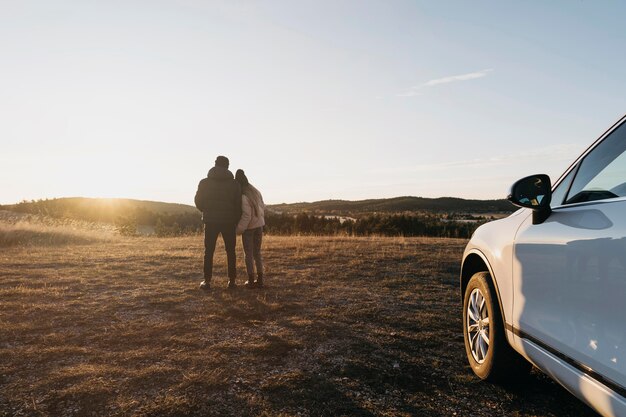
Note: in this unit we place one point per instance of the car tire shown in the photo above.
(488, 352)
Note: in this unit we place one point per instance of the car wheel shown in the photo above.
(488, 352)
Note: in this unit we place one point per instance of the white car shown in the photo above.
(547, 285)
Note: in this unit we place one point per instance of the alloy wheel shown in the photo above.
(478, 325)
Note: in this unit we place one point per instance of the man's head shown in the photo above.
(222, 161)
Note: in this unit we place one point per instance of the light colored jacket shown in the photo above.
(250, 218)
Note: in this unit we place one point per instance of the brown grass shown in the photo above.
(19, 229)
(346, 326)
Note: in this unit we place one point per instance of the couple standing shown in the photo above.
(231, 206)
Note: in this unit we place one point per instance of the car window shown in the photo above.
(602, 173)
(558, 194)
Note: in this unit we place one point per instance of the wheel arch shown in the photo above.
(474, 262)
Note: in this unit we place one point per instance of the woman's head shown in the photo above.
(241, 178)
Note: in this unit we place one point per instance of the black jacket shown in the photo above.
(219, 197)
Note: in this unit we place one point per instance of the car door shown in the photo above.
(569, 272)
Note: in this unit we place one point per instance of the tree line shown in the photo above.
(129, 219)
(412, 224)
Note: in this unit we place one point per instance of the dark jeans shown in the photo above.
(211, 231)
(252, 240)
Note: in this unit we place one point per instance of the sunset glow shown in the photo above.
(315, 100)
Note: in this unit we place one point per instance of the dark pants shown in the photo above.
(252, 240)
(211, 231)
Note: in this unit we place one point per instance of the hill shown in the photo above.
(397, 205)
(129, 216)
(407, 216)
(110, 209)
(106, 210)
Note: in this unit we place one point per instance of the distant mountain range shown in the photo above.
(107, 210)
(398, 205)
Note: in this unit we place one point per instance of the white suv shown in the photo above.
(547, 285)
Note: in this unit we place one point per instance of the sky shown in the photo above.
(315, 100)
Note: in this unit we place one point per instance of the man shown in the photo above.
(219, 199)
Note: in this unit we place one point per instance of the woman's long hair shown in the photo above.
(253, 195)
(256, 199)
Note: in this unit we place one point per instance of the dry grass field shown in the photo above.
(345, 326)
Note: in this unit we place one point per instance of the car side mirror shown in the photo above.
(533, 192)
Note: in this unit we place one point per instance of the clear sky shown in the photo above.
(314, 99)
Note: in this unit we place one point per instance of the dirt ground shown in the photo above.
(345, 326)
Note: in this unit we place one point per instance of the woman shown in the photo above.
(250, 227)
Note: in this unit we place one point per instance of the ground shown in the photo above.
(345, 326)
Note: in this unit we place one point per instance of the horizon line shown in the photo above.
(269, 204)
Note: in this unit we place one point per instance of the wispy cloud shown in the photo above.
(414, 91)
(455, 78)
